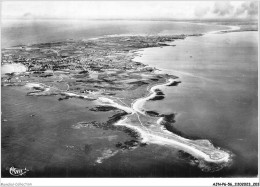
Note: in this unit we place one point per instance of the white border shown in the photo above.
(132, 181)
(127, 181)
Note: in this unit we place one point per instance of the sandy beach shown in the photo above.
(12, 68)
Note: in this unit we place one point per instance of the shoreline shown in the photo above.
(203, 150)
(226, 157)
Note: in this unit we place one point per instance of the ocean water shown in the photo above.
(216, 100)
(217, 97)
(43, 135)
(40, 134)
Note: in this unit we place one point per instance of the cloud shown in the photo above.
(222, 8)
(27, 15)
(248, 9)
(201, 12)
(129, 9)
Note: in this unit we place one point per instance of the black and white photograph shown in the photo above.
(115, 92)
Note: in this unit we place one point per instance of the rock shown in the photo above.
(87, 149)
(83, 72)
(143, 144)
(169, 117)
(103, 108)
(174, 83)
(157, 97)
(158, 92)
(132, 143)
(119, 144)
(152, 113)
(150, 69)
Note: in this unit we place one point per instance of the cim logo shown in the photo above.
(17, 172)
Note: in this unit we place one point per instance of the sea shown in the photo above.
(217, 100)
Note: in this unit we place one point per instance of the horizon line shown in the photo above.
(133, 19)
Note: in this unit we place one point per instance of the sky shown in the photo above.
(129, 9)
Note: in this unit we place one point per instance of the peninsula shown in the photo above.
(103, 70)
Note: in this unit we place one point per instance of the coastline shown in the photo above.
(156, 138)
(203, 151)
(137, 106)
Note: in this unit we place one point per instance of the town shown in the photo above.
(104, 65)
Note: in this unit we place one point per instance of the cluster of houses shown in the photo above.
(97, 58)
